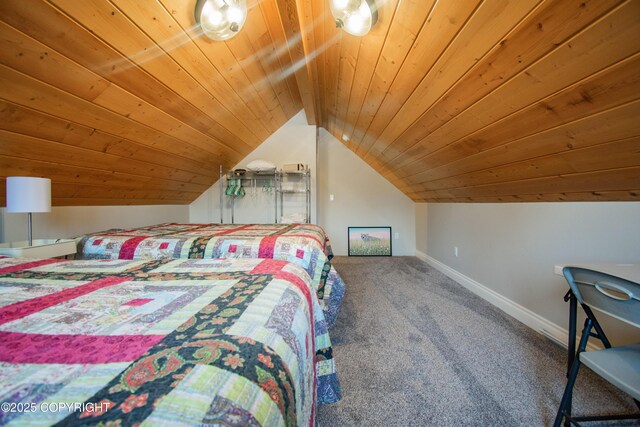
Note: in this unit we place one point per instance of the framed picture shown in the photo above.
(369, 241)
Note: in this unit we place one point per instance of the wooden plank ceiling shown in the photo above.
(124, 102)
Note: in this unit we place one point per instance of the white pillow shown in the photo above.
(260, 165)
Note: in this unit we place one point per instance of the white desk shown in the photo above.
(630, 272)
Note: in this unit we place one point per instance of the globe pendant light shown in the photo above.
(221, 19)
(356, 17)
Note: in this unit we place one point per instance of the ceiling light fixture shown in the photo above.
(221, 19)
(356, 17)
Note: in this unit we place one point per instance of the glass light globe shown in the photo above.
(356, 17)
(221, 19)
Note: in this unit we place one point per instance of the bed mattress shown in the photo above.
(162, 342)
(306, 245)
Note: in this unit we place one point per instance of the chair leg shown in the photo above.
(571, 347)
(567, 412)
(564, 411)
(565, 403)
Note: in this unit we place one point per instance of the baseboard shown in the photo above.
(536, 322)
(422, 255)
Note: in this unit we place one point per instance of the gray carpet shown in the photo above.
(414, 348)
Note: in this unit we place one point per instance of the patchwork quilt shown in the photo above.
(303, 244)
(161, 342)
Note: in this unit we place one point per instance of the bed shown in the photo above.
(161, 342)
(304, 244)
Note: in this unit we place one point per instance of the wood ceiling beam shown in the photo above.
(298, 29)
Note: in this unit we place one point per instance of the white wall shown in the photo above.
(362, 197)
(511, 249)
(71, 221)
(421, 227)
(294, 142)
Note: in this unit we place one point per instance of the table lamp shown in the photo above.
(28, 194)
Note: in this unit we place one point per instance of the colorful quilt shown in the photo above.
(162, 342)
(304, 244)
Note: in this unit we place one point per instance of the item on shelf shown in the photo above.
(296, 185)
(234, 188)
(268, 187)
(293, 167)
(260, 166)
(294, 218)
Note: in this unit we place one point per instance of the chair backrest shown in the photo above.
(609, 294)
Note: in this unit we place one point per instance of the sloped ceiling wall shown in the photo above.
(123, 102)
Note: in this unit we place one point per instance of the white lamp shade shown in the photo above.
(28, 194)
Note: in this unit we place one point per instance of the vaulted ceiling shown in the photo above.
(124, 102)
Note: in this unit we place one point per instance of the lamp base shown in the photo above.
(29, 230)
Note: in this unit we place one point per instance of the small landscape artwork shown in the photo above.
(369, 241)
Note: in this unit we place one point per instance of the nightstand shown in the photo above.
(43, 248)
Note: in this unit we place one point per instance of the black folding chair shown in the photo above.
(620, 366)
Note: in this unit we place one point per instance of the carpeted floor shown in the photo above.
(414, 348)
